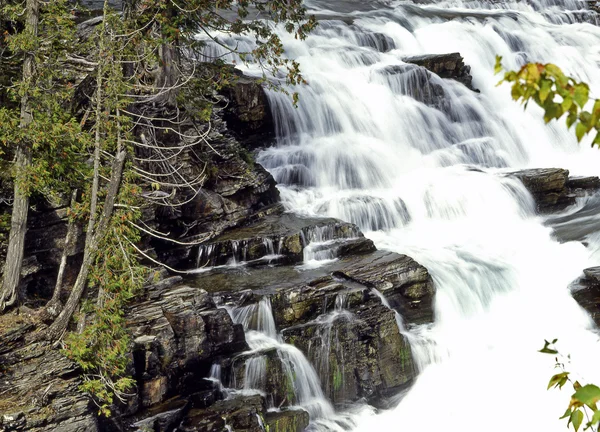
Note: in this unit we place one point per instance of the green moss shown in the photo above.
(338, 378)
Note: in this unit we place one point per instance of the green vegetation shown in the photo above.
(105, 147)
(557, 94)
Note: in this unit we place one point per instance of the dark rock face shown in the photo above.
(587, 293)
(43, 384)
(357, 354)
(405, 284)
(176, 331)
(249, 115)
(450, 66)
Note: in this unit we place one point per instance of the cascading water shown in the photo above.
(417, 161)
(262, 335)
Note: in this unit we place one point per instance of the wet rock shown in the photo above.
(548, 186)
(587, 292)
(405, 284)
(298, 305)
(580, 186)
(242, 413)
(162, 418)
(416, 82)
(248, 114)
(293, 420)
(358, 353)
(450, 66)
(282, 238)
(179, 331)
(265, 371)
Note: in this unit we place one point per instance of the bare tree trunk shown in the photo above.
(54, 305)
(168, 73)
(89, 254)
(18, 228)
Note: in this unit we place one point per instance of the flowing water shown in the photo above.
(416, 162)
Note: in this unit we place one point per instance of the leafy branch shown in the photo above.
(557, 94)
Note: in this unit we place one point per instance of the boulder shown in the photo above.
(587, 292)
(248, 114)
(406, 284)
(242, 413)
(548, 186)
(449, 66)
(300, 304)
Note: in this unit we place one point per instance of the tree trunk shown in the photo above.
(54, 305)
(168, 74)
(18, 228)
(89, 254)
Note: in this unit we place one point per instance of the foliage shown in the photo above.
(584, 400)
(55, 138)
(557, 94)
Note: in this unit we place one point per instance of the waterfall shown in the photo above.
(417, 161)
(262, 336)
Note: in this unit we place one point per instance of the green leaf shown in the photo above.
(576, 418)
(588, 394)
(580, 131)
(545, 88)
(558, 380)
(566, 414)
(571, 119)
(547, 349)
(581, 94)
(595, 418)
(498, 65)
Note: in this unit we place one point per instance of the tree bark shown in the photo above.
(89, 254)
(18, 228)
(54, 305)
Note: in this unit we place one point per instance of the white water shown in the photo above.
(262, 335)
(361, 149)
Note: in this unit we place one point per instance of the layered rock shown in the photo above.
(39, 386)
(283, 238)
(177, 332)
(449, 66)
(553, 189)
(406, 284)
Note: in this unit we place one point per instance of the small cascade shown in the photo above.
(321, 242)
(305, 386)
(206, 257)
